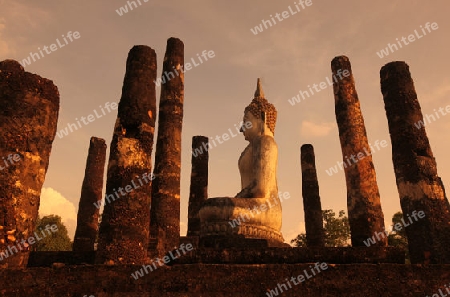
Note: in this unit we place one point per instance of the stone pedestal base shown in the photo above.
(228, 222)
(237, 241)
(294, 255)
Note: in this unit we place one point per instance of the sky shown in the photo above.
(292, 54)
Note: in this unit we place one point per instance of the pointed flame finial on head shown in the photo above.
(259, 93)
(262, 109)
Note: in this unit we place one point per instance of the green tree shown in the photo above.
(300, 240)
(55, 241)
(337, 230)
(398, 238)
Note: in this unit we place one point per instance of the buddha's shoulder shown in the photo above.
(267, 140)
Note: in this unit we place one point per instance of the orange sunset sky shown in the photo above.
(292, 54)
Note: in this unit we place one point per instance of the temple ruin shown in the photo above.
(165, 191)
(140, 251)
(419, 186)
(125, 220)
(30, 105)
(312, 207)
(91, 197)
(199, 184)
(363, 198)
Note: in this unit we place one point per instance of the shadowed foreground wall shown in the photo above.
(225, 280)
(29, 107)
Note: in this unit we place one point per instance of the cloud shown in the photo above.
(52, 202)
(310, 129)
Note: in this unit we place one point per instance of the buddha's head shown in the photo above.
(261, 114)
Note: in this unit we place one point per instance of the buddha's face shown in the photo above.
(253, 130)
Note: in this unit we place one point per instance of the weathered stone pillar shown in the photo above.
(124, 230)
(198, 192)
(315, 236)
(29, 106)
(91, 197)
(165, 212)
(363, 198)
(423, 200)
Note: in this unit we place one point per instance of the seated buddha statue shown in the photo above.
(255, 212)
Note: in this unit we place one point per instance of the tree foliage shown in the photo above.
(55, 241)
(398, 238)
(337, 230)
